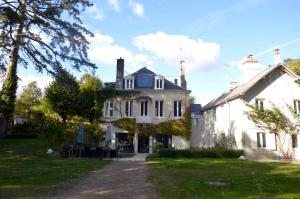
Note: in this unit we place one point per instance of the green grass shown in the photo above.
(26, 171)
(187, 178)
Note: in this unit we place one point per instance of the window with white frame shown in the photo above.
(297, 106)
(159, 108)
(294, 141)
(144, 108)
(129, 82)
(128, 108)
(159, 82)
(108, 109)
(196, 121)
(261, 140)
(177, 109)
(259, 104)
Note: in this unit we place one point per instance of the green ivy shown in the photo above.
(180, 127)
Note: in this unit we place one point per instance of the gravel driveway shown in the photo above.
(120, 179)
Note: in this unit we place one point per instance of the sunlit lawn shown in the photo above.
(26, 172)
(189, 178)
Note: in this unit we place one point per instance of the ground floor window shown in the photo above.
(261, 140)
(294, 141)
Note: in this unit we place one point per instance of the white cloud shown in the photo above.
(42, 81)
(96, 13)
(115, 5)
(137, 8)
(104, 50)
(196, 53)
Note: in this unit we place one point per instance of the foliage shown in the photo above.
(30, 97)
(275, 121)
(30, 173)
(192, 99)
(38, 32)
(55, 134)
(272, 119)
(92, 131)
(200, 153)
(89, 85)
(294, 65)
(62, 94)
(191, 178)
(180, 127)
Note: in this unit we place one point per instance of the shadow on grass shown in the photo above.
(183, 178)
(27, 172)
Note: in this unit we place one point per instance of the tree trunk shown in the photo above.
(10, 84)
(285, 154)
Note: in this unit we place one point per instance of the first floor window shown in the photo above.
(108, 109)
(128, 108)
(259, 104)
(261, 140)
(159, 108)
(297, 106)
(294, 141)
(177, 108)
(144, 108)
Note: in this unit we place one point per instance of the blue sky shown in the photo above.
(214, 36)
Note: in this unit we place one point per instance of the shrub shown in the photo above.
(54, 132)
(200, 153)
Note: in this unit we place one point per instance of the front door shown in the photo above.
(143, 145)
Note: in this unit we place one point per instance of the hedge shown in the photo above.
(199, 153)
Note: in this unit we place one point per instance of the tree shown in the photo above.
(38, 32)
(293, 64)
(89, 84)
(30, 97)
(62, 94)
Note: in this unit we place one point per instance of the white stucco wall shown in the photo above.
(278, 88)
(180, 143)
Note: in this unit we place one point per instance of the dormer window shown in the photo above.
(159, 82)
(129, 82)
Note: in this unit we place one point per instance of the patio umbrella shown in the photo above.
(80, 135)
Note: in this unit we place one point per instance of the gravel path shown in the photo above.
(120, 179)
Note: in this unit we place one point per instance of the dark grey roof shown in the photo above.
(244, 87)
(196, 108)
(144, 79)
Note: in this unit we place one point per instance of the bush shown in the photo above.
(54, 132)
(200, 153)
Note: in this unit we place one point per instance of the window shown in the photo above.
(294, 141)
(129, 82)
(259, 104)
(196, 122)
(261, 140)
(128, 108)
(108, 109)
(177, 109)
(297, 106)
(159, 108)
(144, 108)
(159, 82)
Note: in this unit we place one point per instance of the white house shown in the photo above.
(223, 120)
(157, 100)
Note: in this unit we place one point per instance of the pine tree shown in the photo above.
(44, 33)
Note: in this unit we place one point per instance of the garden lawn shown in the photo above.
(189, 178)
(27, 172)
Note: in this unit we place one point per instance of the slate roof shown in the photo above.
(144, 79)
(196, 108)
(244, 87)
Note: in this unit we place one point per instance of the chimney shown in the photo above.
(120, 73)
(277, 59)
(182, 75)
(176, 81)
